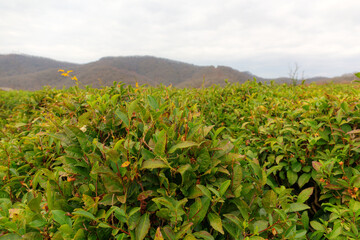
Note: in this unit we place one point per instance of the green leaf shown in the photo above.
(190, 237)
(66, 229)
(133, 219)
(260, 225)
(60, 217)
(85, 214)
(204, 190)
(31, 236)
(143, 227)
(296, 166)
(303, 179)
(183, 230)
(217, 132)
(297, 207)
(133, 107)
(292, 177)
(237, 177)
(269, 200)
(169, 233)
(185, 144)
(203, 235)
(38, 223)
(204, 160)
(301, 234)
(152, 102)
(18, 125)
(103, 225)
(234, 219)
(305, 194)
(354, 205)
(336, 231)
(305, 219)
(10, 236)
(34, 204)
(49, 195)
(161, 143)
(290, 232)
(153, 163)
(317, 226)
(199, 209)
(215, 222)
(185, 172)
(223, 187)
(80, 235)
(123, 117)
(344, 106)
(256, 238)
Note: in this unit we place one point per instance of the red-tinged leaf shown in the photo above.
(354, 131)
(158, 234)
(316, 165)
(144, 195)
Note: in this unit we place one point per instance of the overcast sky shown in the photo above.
(265, 37)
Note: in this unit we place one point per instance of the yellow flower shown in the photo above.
(74, 78)
(137, 84)
(61, 70)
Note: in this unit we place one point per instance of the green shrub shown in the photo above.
(251, 161)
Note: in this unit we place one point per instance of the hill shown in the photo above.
(32, 73)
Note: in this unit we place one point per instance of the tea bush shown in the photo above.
(250, 161)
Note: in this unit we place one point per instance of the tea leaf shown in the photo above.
(317, 226)
(223, 187)
(158, 234)
(60, 217)
(297, 207)
(215, 222)
(151, 164)
(305, 194)
(182, 145)
(203, 235)
(85, 214)
(143, 227)
(153, 103)
(123, 117)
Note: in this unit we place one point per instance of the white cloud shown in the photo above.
(264, 37)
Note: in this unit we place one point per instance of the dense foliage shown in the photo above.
(249, 161)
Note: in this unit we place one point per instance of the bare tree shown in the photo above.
(294, 74)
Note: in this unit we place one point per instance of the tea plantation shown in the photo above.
(252, 161)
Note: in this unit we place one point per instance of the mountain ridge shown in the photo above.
(32, 72)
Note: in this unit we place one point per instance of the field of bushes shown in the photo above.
(252, 161)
